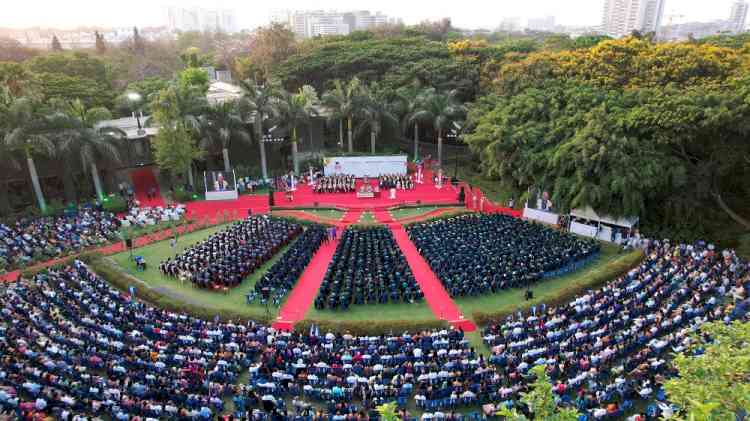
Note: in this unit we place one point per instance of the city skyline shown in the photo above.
(474, 14)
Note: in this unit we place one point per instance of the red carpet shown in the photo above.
(213, 209)
(303, 294)
(441, 304)
(143, 180)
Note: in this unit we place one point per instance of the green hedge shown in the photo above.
(115, 203)
(110, 271)
(610, 271)
(373, 327)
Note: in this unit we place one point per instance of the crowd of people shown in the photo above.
(475, 254)
(285, 273)
(227, 257)
(607, 348)
(138, 216)
(30, 239)
(395, 181)
(368, 267)
(340, 183)
(72, 345)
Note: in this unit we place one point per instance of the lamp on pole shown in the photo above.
(136, 100)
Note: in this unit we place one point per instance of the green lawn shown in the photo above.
(326, 213)
(234, 300)
(547, 290)
(411, 212)
(368, 312)
(367, 218)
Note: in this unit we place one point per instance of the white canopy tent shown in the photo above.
(601, 227)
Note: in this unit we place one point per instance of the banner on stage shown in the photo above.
(365, 166)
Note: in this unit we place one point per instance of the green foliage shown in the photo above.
(540, 401)
(175, 149)
(715, 385)
(387, 412)
(193, 77)
(115, 203)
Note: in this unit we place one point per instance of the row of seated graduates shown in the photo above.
(72, 345)
(227, 257)
(368, 267)
(287, 270)
(474, 254)
(395, 181)
(339, 183)
(609, 347)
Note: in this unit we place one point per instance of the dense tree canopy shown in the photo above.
(628, 127)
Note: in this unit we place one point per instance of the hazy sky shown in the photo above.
(251, 13)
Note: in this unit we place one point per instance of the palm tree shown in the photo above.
(81, 134)
(441, 110)
(375, 113)
(24, 130)
(180, 106)
(408, 101)
(260, 102)
(221, 124)
(344, 102)
(294, 111)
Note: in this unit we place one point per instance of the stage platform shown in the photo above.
(426, 194)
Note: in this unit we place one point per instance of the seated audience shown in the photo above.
(287, 270)
(141, 216)
(335, 184)
(367, 268)
(42, 238)
(395, 181)
(226, 258)
(478, 253)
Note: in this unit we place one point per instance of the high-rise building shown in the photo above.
(546, 24)
(312, 23)
(738, 16)
(622, 17)
(199, 19)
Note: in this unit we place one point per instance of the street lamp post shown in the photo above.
(136, 101)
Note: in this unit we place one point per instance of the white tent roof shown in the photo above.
(590, 214)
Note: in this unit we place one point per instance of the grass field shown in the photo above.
(547, 290)
(326, 213)
(367, 218)
(404, 213)
(234, 300)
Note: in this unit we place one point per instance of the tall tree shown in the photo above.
(344, 101)
(101, 45)
(220, 125)
(177, 109)
(56, 46)
(408, 100)
(259, 102)
(441, 110)
(269, 46)
(139, 44)
(294, 111)
(375, 113)
(82, 137)
(26, 131)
